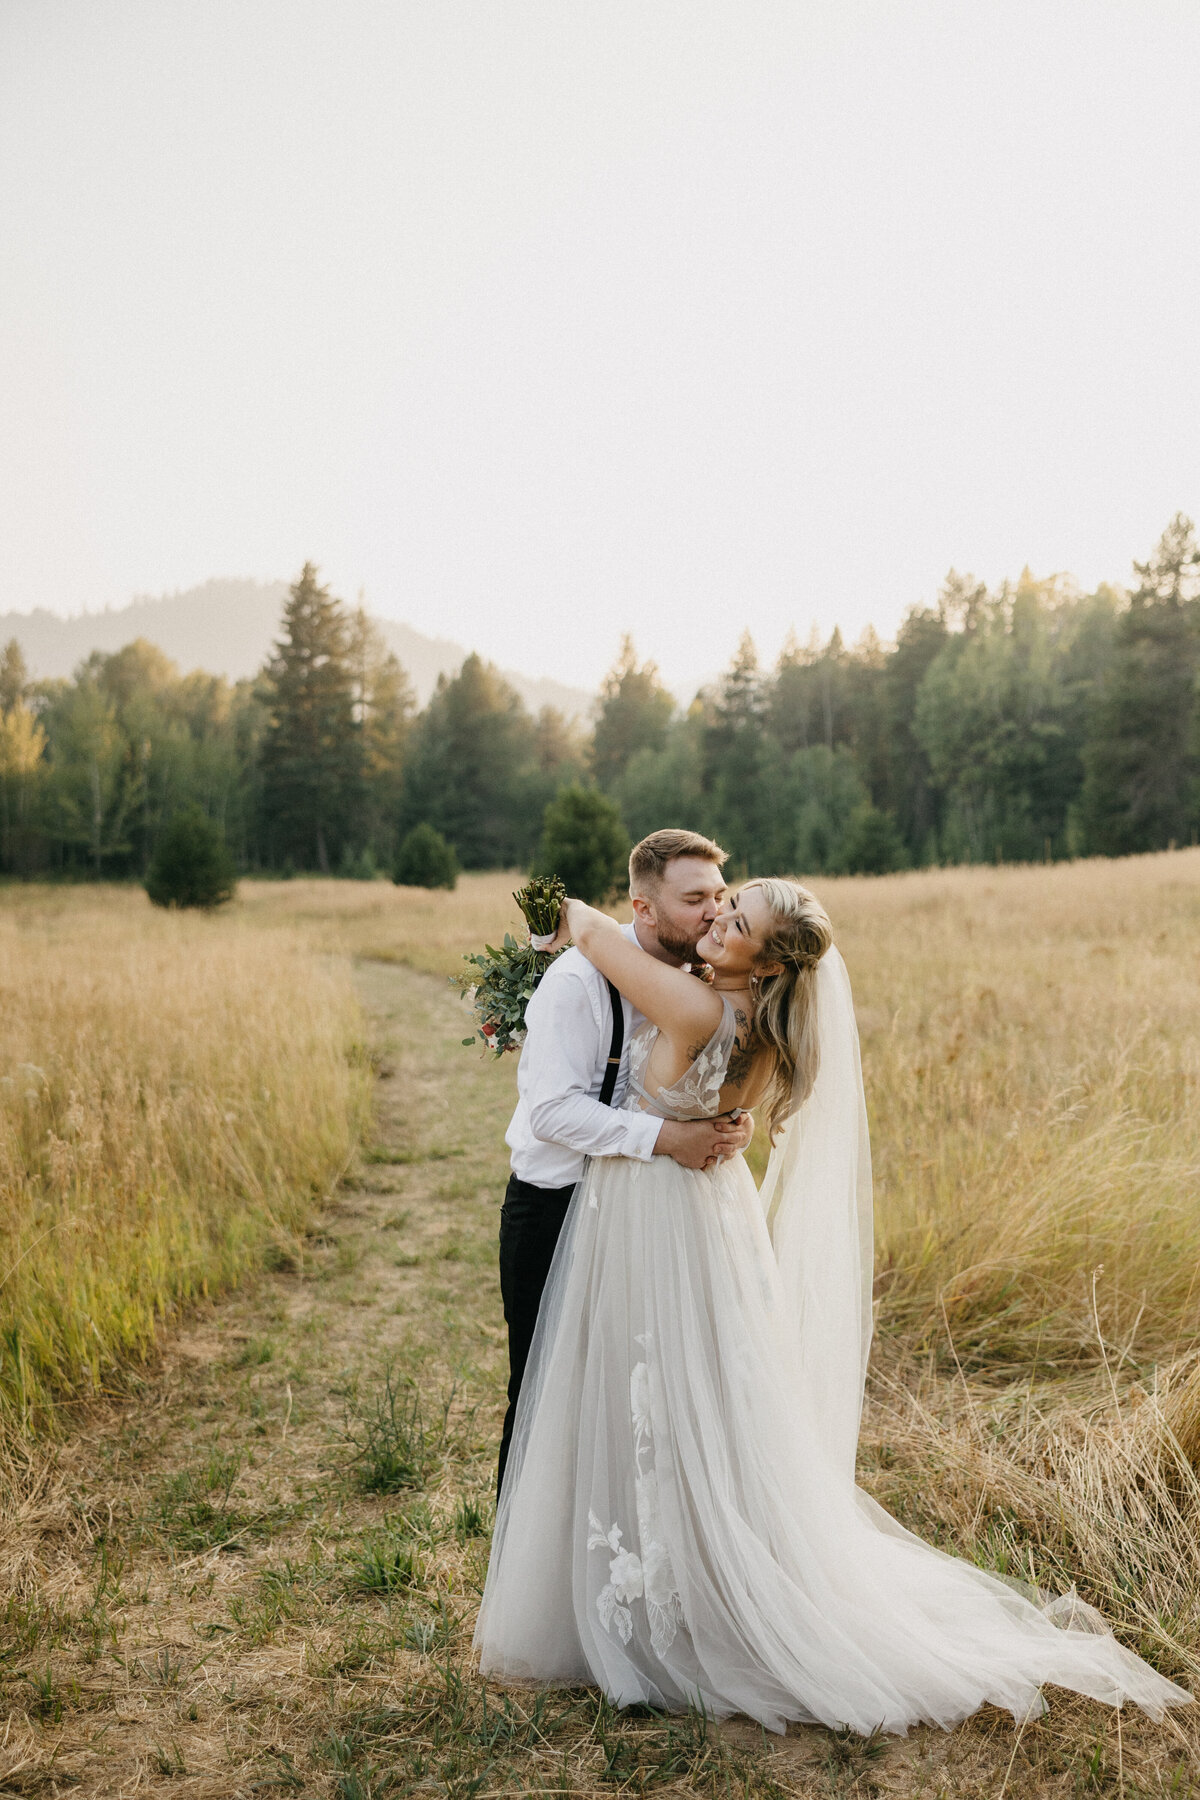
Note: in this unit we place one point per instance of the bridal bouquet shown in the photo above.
(501, 982)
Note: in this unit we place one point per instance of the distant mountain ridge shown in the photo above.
(227, 627)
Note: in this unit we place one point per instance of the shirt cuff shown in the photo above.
(643, 1129)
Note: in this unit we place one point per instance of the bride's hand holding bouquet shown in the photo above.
(501, 982)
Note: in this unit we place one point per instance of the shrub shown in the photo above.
(584, 842)
(191, 866)
(425, 860)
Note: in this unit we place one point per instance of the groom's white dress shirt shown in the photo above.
(559, 1119)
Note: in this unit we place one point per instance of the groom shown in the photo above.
(572, 1077)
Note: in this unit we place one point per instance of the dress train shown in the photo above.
(674, 1528)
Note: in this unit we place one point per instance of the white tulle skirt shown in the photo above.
(671, 1532)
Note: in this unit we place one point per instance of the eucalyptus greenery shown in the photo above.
(503, 981)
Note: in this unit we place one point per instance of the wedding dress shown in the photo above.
(679, 1523)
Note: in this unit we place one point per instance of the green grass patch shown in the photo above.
(448, 1734)
(386, 1563)
(392, 1439)
(200, 1507)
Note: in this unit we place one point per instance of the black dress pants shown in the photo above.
(530, 1221)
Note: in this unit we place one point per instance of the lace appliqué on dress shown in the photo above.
(650, 1576)
(624, 1579)
(697, 1093)
(664, 1609)
(639, 1055)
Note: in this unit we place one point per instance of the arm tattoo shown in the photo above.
(741, 1057)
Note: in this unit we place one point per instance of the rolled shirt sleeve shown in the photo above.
(560, 1119)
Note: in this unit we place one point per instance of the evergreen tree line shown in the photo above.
(1027, 723)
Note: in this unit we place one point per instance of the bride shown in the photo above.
(680, 1524)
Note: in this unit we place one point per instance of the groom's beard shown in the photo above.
(675, 945)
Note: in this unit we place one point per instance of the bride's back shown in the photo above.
(729, 1071)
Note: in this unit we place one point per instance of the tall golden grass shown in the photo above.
(177, 1090)
(423, 928)
(1031, 1043)
(174, 1092)
(1031, 1050)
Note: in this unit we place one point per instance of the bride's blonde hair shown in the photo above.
(785, 1012)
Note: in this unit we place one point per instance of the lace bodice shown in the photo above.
(697, 1093)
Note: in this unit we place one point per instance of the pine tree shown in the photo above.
(831, 683)
(426, 860)
(735, 761)
(140, 681)
(22, 763)
(871, 844)
(384, 706)
(817, 799)
(1141, 757)
(472, 771)
(962, 602)
(191, 867)
(862, 726)
(666, 787)
(633, 714)
(560, 747)
(311, 755)
(14, 676)
(991, 716)
(791, 699)
(584, 843)
(910, 794)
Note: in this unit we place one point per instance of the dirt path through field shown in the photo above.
(206, 1580)
(258, 1574)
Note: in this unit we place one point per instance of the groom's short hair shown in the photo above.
(649, 859)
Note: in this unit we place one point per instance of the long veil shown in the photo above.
(817, 1197)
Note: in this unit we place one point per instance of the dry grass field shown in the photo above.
(256, 1571)
(175, 1093)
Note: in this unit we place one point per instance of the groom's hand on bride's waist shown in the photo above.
(700, 1143)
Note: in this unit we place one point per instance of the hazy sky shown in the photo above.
(545, 321)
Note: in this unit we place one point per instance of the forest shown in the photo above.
(1032, 722)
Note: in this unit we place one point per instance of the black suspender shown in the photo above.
(614, 1049)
